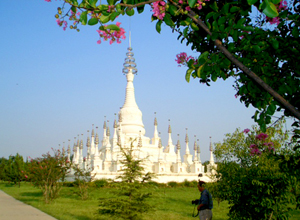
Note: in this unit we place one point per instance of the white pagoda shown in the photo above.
(166, 162)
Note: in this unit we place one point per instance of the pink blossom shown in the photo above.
(261, 136)
(110, 7)
(188, 8)
(47, 0)
(181, 58)
(273, 20)
(254, 150)
(26, 176)
(180, 1)
(159, 9)
(282, 5)
(246, 131)
(199, 7)
(112, 35)
(271, 149)
(65, 25)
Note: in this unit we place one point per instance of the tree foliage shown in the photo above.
(256, 42)
(250, 176)
(129, 200)
(47, 173)
(13, 169)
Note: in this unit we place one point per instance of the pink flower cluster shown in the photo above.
(182, 59)
(261, 136)
(267, 146)
(159, 9)
(112, 35)
(246, 131)
(62, 23)
(254, 150)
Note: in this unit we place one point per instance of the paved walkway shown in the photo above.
(12, 209)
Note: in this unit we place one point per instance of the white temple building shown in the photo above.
(166, 162)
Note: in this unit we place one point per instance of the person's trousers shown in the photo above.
(205, 214)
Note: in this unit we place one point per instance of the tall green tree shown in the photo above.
(13, 169)
(250, 177)
(130, 199)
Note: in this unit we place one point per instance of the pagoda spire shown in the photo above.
(155, 138)
(130, 113)
(170, 142)
(211, 161)
(195, 150)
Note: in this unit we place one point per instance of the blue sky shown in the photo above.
(55, 84)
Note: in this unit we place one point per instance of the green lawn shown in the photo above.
(170, 203)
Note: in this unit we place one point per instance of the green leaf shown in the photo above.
(234, 9)
(194, 26)
(158, 26)
(221, 20)
(168, 20)
(251, 2)
(214, 36)
(140, 9)
(214, 6)
(295, 31)
(200, 70)
(257, 49)
(114, 15)
(73, 8)
(192, 3)
(118, 8)
(172, 9)
(270, 10)
(214, 77)
(275, 44)
(104, 19)
(110, 2)
(83, 18)
(276, 1)
(185, 31)
(93, 3)
(129, 11)
(188, 75)
(75, 3)
(225, 9)
(93, 21)
(271, 109)
(112, 27)
(204, 55)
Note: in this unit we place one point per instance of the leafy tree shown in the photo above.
(3, 162)
(250, 176)
(130, 197)
(47, 172)
(83, 178)
(258, 52)
(13, 169)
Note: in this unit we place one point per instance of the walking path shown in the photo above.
(12, 209)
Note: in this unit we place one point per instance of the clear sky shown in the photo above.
(55, 84)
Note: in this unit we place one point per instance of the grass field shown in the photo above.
(169, 203)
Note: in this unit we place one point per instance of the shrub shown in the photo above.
(101, 183)
(47, 172)
(172, 184)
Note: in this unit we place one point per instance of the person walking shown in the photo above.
(206, 203)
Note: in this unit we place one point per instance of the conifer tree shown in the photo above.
(129, 201)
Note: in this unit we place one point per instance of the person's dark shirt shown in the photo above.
(206, 200)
